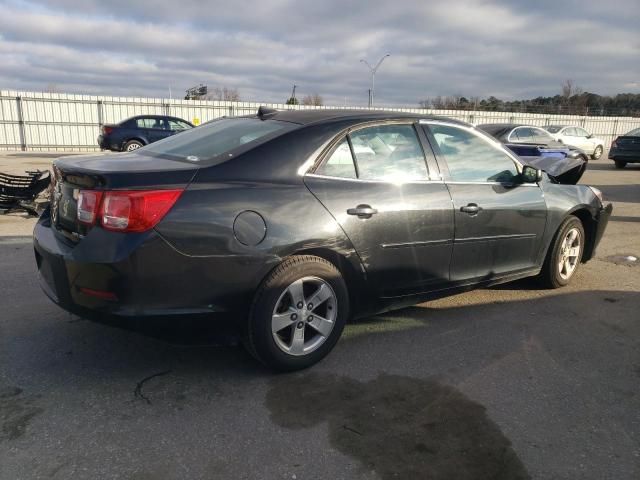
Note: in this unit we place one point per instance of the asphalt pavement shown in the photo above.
(511, 382)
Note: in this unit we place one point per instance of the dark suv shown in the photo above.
(136, 132)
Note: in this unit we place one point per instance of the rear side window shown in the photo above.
(385, 153)
(633, 133)
(472, 159)
(216, 138)
(339, 163)
(389, 152)
(147, 122)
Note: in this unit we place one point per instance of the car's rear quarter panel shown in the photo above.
(264, 180)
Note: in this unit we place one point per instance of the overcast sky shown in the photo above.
(510, 49)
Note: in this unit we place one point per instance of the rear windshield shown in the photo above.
(553, 129)
(225, 136)
(495, 130)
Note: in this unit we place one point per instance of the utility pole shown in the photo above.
(293, 93)
(373, 71)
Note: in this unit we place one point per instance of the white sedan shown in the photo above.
(577, 137)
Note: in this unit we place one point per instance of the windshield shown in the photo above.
(215, 138)
(554, 128)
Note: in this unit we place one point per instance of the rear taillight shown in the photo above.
(125, 211)
(88, 206)
(614, 144)
(106, 130)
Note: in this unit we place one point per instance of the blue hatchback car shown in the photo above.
(136, 132)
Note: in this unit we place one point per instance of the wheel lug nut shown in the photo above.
(294, 316)
(300, 324)
(300, 305)
(310, 318)
(310, 306)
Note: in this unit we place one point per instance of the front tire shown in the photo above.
(298, 314)
(597, 153)
(620, 164)
(564, 255)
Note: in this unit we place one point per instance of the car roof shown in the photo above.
(316, 116)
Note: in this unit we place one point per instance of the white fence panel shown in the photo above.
(67, 122)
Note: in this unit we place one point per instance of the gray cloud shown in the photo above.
(472, 47)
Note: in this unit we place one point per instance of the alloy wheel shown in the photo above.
(597, 153)
(569, 254)
(304, 316)
(132, 147)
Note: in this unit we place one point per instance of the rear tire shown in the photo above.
(298, 314)
(620, 164)
(597, 153)
(564, 255)
(132, 145)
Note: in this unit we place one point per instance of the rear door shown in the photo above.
(376, 184)
(499, 221)
(159, 129)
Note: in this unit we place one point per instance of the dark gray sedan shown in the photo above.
(295, 221)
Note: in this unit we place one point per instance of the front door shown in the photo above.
(499, 221)
(399, 221)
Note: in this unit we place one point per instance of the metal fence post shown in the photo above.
(167, 109)
(100, 114)
(21, 131)
(231, 110)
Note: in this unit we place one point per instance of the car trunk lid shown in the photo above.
(102, 172)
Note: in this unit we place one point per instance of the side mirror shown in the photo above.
(590, 135)
(531, 174)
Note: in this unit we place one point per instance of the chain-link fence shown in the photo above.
(65, 122)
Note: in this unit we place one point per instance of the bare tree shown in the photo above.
(568, 89)
(314, 99)
(51, 88)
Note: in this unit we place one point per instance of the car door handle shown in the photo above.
(471, 209)
(362, 211)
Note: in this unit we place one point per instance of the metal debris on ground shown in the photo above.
(20, 192)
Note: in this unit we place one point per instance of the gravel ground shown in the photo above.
(508, 382)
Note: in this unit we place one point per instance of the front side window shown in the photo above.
(178, 125)
(471, 158)
(581, 132)
(216, 138)
(389, 153)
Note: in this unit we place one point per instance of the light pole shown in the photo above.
(373, 71)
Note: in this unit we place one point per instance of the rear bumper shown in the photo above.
(629, 157)
(105, 144)
(111, 275)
